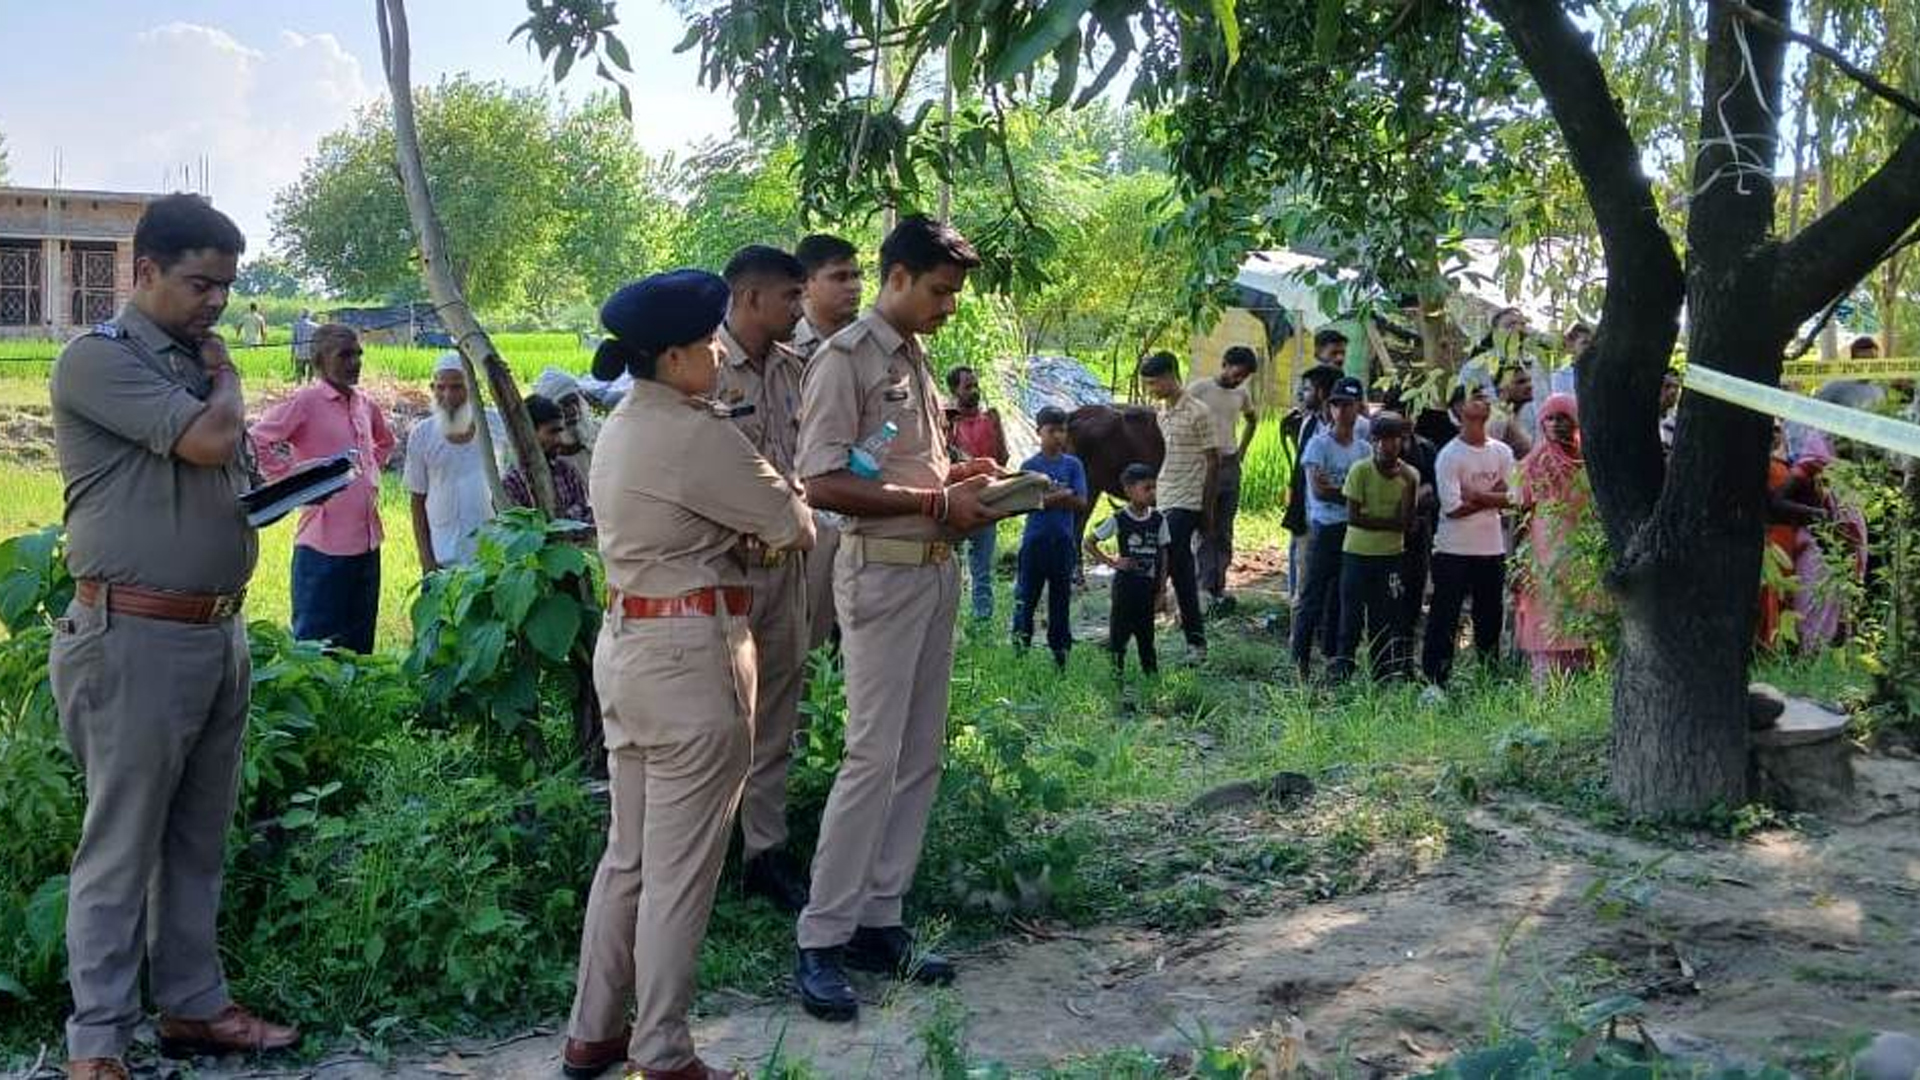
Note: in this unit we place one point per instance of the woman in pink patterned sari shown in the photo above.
(1553, 497)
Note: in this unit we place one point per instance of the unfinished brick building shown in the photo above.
(66, 258)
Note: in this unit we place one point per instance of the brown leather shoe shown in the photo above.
(97, 1069)
(235, 1030)
(695, 1070)
(583, 1060)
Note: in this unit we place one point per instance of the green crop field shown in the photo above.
(30, 499)
(528, 355)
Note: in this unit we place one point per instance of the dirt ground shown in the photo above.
(26, 430)
(1771, 947)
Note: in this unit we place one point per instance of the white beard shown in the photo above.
(458, 426)
(586, 430)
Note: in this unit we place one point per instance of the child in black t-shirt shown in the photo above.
(1140, 568)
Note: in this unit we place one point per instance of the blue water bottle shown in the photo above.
(864, 459)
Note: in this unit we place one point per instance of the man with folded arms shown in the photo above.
(149, 665)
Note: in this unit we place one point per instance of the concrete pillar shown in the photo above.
(54, 302)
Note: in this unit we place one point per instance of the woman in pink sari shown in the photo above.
(1553, 497)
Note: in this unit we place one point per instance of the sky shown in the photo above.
(128, 93)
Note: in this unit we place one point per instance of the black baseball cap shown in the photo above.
(1347, 388)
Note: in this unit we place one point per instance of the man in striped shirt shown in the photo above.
(1188, 476)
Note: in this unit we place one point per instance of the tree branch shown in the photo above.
(1006, 160)
(476, 348)
(1752, 17)
(1807, 341)
(1619, 378)
(1839, 248)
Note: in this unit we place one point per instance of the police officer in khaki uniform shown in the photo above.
(149, 666)
(760, 382)
(828, 302)
(897, 593)
(676, 489)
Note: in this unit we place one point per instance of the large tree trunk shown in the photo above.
(1691, 578)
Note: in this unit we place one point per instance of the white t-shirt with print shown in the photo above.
(1476, 468)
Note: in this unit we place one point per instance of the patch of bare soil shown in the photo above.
(26, 431)
(1761, 948)
(26, 435)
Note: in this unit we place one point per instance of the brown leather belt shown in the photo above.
(161, 604)
(706, 601)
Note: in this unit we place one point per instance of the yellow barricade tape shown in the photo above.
(1878, 368)
(1882, 431)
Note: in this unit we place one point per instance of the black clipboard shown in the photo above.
(313, 482)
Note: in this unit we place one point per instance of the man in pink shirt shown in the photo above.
(336, 549)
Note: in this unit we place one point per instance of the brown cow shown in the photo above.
(1107, 439)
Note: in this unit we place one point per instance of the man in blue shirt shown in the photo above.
(1327, 457)
(1047, 553)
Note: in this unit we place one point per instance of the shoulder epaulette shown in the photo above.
(110, 329)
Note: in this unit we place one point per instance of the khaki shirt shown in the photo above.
(807, 340)
(1227, 407)
(772, 387)
(862, 377)
(1186, 425)
(135, 513)
(674, 488)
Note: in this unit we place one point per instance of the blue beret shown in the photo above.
(656, 313)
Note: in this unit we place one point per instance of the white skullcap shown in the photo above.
(556, 385)
(449, 361)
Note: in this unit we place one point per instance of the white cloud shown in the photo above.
(253, 114)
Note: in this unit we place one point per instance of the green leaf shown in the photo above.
(46, 914)
(1327, 15)
(559, 560)
(491, 918)
(1066, 58)
(13, 987)
(1037, 38)
(962, 53)
(373, 950)
(551, 627)
(1227, 11)
(616, 52)
(514, 593)
(484, 647)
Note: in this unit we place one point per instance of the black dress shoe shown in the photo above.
(777, 876)
(824, 990)
(889, 950)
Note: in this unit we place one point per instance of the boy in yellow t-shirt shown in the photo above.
(1380, 497)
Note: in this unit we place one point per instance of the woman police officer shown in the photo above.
(677, 491)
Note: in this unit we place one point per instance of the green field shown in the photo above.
(527, 354)
(30, 499)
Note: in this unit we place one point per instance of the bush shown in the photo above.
(379, 876)
(493, 636)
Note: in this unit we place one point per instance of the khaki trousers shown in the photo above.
(779, 623)
(820, 598)
(678, 700)
(154, 711)
(896, 635)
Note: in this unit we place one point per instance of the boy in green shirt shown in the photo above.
(1380, 497)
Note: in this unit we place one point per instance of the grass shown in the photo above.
(31, 498)
(1119, 765)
